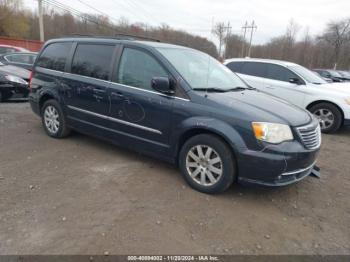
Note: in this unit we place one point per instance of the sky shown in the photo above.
(198, 16)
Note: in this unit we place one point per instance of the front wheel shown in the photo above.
(328, 115)
(207, 164)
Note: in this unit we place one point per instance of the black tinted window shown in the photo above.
(54, 56)
(235, 66)
(280, 73)
(254, 69)
(93, 60)
(137, 68)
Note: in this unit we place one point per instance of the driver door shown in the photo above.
(141, 114)
(277, 84)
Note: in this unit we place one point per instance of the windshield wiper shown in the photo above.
(215, 89)
(209, 89)
(239, 88)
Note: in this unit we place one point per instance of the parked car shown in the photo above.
(5, 49)
(330, 103)
(12, 84)
(345, 75)
(20, 59)
(176, 104)
(331, 74)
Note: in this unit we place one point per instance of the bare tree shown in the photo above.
(289, 39)
(219, 30)
(337, 33)
(233, 45)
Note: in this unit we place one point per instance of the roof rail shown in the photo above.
(117, 36)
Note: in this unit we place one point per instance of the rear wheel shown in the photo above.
(53, 119)
(328, 115)
(207, 164)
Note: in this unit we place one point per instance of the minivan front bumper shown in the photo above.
(277, 165)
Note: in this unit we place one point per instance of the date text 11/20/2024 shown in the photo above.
(173, 258)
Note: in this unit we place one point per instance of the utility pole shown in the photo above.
(245, 27)
(252, 27)
(41, 23)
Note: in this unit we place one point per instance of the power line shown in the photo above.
(93, 8)
(76, 13)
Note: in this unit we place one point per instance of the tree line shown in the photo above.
(328, 50)
(17, 22)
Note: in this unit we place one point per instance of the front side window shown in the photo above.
(254, 69)
(137, 68)
(93, 60)
(54, 56)
(277, 72)
(307, 74)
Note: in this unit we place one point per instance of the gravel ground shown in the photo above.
(80, 195)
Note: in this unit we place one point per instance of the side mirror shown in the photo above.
(163, 85)
(294, 81)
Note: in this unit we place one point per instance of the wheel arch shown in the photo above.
(326, 101)
(44, 97)
(226, 133)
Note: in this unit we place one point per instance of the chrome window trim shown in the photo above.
(115, 120)
(149, 91)
(114, 83)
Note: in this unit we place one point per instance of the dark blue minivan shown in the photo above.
(176, 104)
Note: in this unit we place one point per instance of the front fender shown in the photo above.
(206, 124)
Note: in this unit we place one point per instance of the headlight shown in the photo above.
(16, 79)
(347, 100)
(272, 133)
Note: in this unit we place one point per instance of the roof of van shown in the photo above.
(272, 61)
(117, 40)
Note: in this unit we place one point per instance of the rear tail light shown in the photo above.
(30, 80)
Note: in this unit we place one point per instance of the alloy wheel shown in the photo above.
(204, 165)
(325, 117)
(51, 119)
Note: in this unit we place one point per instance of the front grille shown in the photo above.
(310, 135)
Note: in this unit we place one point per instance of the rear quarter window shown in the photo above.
(55, 56)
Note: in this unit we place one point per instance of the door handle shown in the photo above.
(117, 95)
(99, 90)
(269, 87)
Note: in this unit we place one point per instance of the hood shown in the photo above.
(258, 106)
(16, 71)
(335, 88)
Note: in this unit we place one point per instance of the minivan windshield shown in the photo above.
(201, 71)
(307, 74)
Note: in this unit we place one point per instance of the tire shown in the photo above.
(51, 112)
(4, 96)
(327, 113)
(215, 181)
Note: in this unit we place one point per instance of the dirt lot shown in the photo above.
(83, 196)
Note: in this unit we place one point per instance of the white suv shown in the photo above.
(330, 103)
